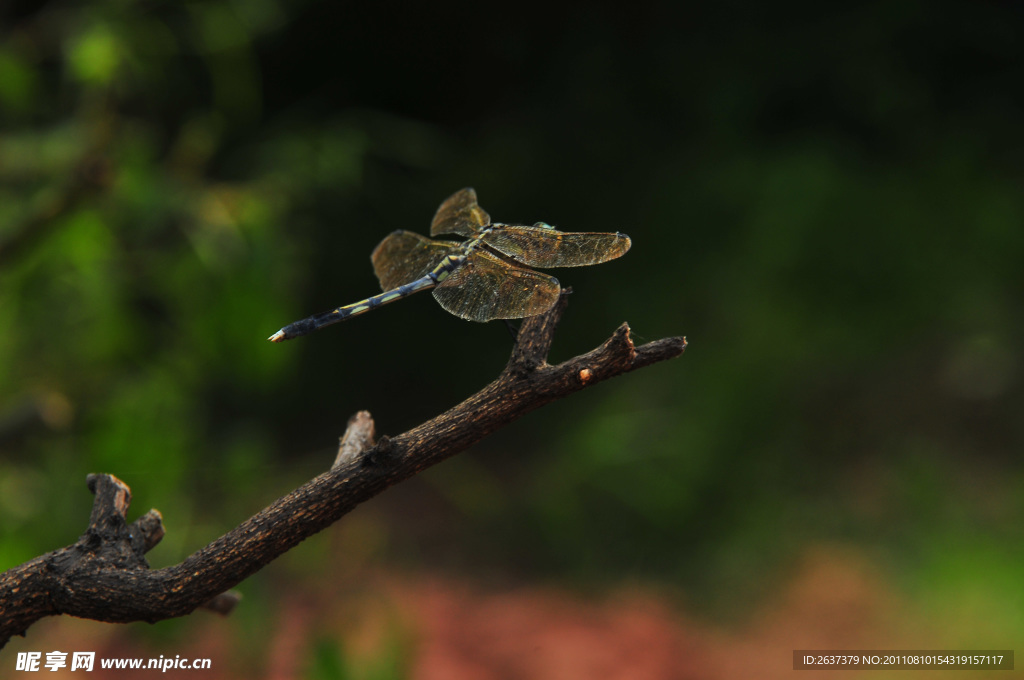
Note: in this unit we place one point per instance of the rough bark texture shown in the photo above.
(104, 576)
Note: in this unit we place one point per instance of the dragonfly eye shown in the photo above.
(543, 225)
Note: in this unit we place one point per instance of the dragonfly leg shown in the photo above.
(512, 329)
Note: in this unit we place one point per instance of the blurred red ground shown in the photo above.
(451, 629)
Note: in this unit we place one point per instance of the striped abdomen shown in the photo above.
(312, 323)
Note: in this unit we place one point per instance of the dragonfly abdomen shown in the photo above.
(308, 325)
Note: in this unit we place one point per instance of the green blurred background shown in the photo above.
(827, 202)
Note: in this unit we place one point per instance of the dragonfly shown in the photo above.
(487, 276)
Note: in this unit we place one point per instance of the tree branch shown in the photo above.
(104, 576)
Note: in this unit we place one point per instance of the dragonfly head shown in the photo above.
(543, 225)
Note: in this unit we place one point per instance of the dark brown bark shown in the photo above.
(105, 577)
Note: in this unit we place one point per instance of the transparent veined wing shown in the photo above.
(403, 257)
(486, 288)
(542, 246)
(460, 214)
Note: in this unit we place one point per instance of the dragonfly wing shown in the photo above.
(460, 214)
(486, 288)
(542, 246)
(403, 257)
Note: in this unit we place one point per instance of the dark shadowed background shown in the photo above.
(828, 203)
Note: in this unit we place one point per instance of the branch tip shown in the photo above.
(359, 437)
(112, 497)
(533, 342)
(147, 531)
(224, 603)
(659, 350)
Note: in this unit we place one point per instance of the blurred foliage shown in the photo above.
(329, 662)
(827, 202)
